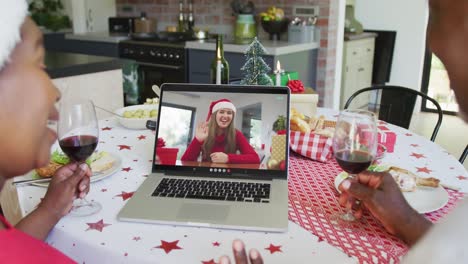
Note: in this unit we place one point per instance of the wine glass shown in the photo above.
(78, 134)
(355, 144)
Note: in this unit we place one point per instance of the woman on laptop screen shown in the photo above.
(218, 141)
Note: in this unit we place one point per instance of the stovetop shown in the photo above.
(160, 39)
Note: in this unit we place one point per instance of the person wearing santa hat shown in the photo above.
(27, 104)
(218, 141)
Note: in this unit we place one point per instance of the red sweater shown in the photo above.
(18, 247)
(247, 153)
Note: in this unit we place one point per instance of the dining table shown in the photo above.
(312, 237)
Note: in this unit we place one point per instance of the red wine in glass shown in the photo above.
(354, 144)
(353, 162)
(78, 148)
(78, 133)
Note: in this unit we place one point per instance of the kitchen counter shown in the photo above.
(274, 48)
(63, 64)
(352, 36)
(98, 37)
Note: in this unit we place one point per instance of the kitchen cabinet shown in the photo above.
(358, 57)
(58, 42)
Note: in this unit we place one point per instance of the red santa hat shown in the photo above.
(12, 15)
(220, 104)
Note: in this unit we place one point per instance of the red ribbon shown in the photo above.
(281, 132)
(161, 143)
(296, 86)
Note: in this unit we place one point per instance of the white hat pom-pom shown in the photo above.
(12, 15)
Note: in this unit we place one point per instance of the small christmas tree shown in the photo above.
(255, 68)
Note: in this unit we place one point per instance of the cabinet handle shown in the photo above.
(354, 53)
(360, 69)
(369, 50)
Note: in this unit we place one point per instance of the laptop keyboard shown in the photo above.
(214, 190)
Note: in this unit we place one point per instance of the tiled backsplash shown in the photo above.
(218, 14)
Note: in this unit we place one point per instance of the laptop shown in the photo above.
(193, 187)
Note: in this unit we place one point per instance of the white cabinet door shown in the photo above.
(92, 15)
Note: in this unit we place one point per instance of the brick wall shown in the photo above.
(218, 13)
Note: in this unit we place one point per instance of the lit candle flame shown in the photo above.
(278, 66)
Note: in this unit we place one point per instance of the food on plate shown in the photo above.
(408, 181)
(99, 162)
(49, 170)
(151, 101)
(102, 161)
(140, 113)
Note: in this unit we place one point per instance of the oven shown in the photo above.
(157, 62)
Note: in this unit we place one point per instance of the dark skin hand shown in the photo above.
(68, 183)
(380, 194)
(240, 255)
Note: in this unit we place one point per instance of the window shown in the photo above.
(175, 126)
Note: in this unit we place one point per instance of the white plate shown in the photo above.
(423, 200)
(115, 167)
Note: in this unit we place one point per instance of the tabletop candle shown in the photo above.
(278, 73)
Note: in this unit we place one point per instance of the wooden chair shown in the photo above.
(393, 104)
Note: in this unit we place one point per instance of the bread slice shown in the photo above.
(103, 162)
(408, 181)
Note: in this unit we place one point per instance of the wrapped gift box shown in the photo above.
(278, 147)
(312, 146)
(305, 103)
(387, 138)
(293, 75)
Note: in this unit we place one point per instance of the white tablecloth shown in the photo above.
(101, 238)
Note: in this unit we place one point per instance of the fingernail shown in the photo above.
(346, 184)
(224, 260)
(82, 187)
(254, 254)
(238, 245)
(83, 166)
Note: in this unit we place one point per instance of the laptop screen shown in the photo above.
(229, 130)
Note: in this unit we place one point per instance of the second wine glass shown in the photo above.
(78, 134)
(355, 144)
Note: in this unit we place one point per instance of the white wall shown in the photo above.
(409, 19)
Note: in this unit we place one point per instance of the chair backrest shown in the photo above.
(463, 156)
(395, 104)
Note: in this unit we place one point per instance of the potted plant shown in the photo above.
(49, 14)
(245, 29)
(274, 22)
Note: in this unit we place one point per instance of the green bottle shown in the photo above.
(219, 66)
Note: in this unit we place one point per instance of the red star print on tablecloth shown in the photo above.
(168, 246)
(127, 169)
(417, 155)
(462, 178)
(414, 145)
(137, 238)
(216, 244)
(103, 190)
(141, 137)
(408, 134)
(106, 128)
(211, 261)
(125, 195)
(99, 225)
(424, 169)
(272, 248)
(122, 147)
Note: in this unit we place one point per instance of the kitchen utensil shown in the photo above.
(144, 24)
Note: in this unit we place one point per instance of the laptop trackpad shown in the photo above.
(203, 212)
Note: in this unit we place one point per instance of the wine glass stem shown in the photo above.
(349, 216)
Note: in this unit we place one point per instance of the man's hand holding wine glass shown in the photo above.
(69, 182)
